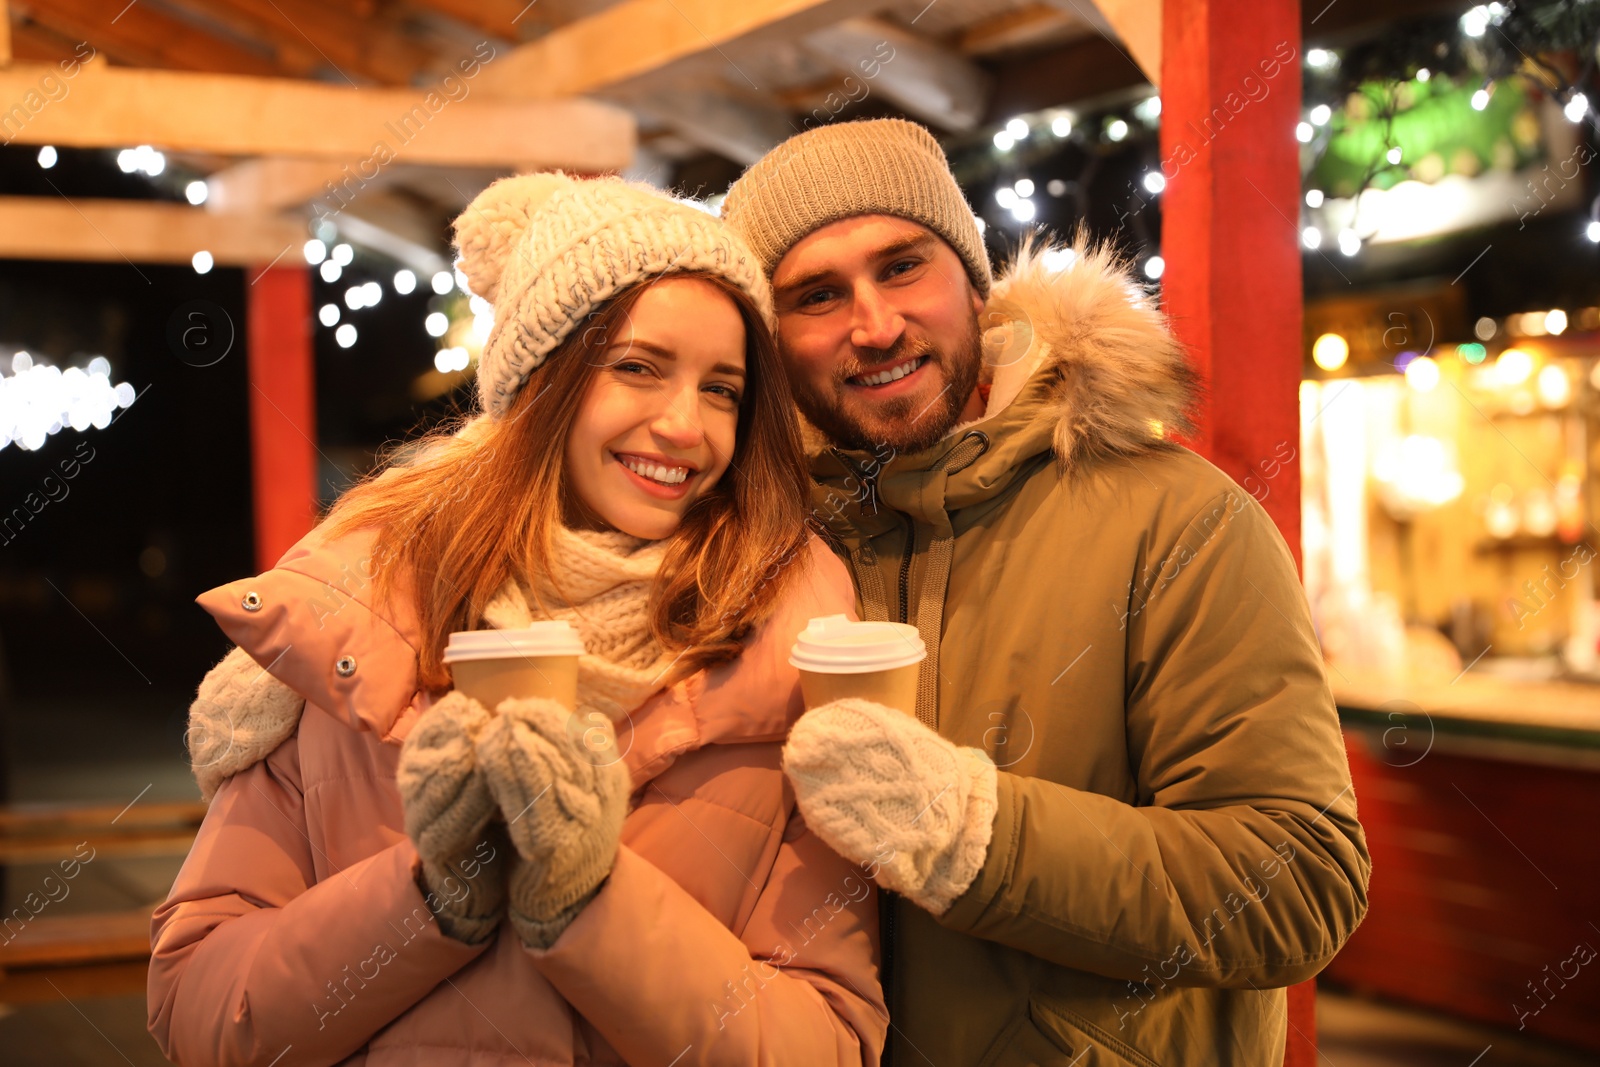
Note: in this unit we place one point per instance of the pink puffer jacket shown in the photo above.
(295, 933)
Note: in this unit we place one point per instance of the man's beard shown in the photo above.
(896, 424)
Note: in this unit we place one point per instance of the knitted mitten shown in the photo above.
(449, 815)
(882, 789)
(564, 793)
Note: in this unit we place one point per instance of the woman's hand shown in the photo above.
(563, 789)
(450, 815)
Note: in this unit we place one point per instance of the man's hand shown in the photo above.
(867, 777)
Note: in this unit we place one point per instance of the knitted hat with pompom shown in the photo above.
(548, 249)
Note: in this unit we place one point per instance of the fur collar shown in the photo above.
(1073, 321)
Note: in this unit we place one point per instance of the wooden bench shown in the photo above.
(45, 956)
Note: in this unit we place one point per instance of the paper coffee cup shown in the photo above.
(838, 657)
(540, 660)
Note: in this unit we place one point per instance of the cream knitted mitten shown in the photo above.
(882, 789)
(563, 790)
(450, 816)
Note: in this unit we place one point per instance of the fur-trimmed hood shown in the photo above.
(1078, 361)
(1074, 322)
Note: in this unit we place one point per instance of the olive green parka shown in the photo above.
(1121, 627)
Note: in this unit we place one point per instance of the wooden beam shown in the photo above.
(355, 48)
(270, 184)
(512, 20)
(925, 79)
(1019, 28)
(294, 56)
(366, 128)
(1089, 68)
(142, 36)
(33, 43)
(1137, 26)
(636, 37)
(137, 231)
(735, 128)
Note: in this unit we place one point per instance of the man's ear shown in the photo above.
(977, 298)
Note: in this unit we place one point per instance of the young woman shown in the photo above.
(390, 872)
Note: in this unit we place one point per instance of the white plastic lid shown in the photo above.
(556, 638)
(836, 644)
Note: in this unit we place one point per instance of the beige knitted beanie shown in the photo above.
(547, 249)
(872, 167)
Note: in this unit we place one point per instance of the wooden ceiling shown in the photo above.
(275, 99)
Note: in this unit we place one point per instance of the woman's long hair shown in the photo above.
(473, 504)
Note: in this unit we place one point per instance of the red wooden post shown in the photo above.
(1230, 99)
(283, 452)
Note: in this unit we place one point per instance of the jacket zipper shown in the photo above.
(905, 569)
(890, 898)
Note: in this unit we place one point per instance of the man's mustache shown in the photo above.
(869, 360)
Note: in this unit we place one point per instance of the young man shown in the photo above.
(1121, 820)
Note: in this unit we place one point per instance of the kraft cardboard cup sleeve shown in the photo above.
(540, 660)
(839, 657)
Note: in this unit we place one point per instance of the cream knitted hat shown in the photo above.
(547, 249)
(871, 167)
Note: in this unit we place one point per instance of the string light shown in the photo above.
(443, 282)
(39, 400)
(1313, 198)
(328, 314)
(202, 262)
(1330, 351)
(1321, 114)
(47, 156)
(1061, 125)
(1117, 130)
(405, 282)
(1422, 374)
(436, 323)
(1303, 132)
(196, 192)
(315, 251)
(1311, 237)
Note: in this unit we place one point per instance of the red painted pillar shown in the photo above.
(1230, 99)
(283, 432)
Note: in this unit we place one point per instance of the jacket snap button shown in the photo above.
(346, 666)
(251, 601)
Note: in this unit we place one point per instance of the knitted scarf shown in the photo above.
(605, 579)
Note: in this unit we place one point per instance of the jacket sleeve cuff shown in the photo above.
(992, 877)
